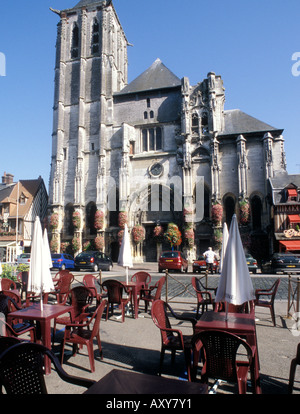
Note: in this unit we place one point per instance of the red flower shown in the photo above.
(138, 234)
(99, 220)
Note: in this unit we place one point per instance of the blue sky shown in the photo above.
(249, 43)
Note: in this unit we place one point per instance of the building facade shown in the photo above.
(152, 152)
(285, 214)
(20, 203)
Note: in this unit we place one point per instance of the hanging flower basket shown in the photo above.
(64, 246)
(54, 220)
(244, 212)
(187, 214)
(173, 235)
(99, 220)
(120, 236)
(218, 237)
(76, 244)
(217, 213)
(189, 237)
(88, 245)
(138, 234)
(99, 243)
(158, 234)
(76, 219)
(54, 246)
(123, 219)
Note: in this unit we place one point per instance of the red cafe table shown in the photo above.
(134, 287)
(240, 324)
(44, 316)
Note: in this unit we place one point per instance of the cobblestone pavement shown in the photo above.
(180, 284)
(135, 344)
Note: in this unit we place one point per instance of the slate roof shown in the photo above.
(280, 182)
(238, 122)
(83, 3)
(157, 76)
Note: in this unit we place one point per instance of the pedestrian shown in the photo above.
(209, 256)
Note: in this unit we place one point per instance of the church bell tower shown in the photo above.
(91, 65)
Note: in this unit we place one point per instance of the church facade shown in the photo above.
(149, 153)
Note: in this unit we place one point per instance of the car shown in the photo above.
(93, 260)
(282, 262)
(172, 260)
(62, 261)
(23, 258)
(252, 263)
(199, 265)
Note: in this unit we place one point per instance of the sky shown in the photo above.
(249, 43)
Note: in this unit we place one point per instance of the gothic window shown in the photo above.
(229, 209)
(114, 211)
(75, 42)
(151, 114)
(68, 220)
(256, 210)
(95, 38)
(204, 124)
(151, 139)
(145, 115)
(90, 218)
(195, 124)
(148, 103)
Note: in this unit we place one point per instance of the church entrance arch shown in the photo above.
(151, 206)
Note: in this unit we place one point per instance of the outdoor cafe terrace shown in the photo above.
(135, 345)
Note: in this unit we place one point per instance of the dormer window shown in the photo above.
(292, 194)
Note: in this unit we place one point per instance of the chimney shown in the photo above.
(7, 178)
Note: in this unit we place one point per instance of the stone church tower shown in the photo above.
(149, 153)
(91, 65)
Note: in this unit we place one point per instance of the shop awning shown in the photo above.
(292, 193)
(290, 245)
(294, 218)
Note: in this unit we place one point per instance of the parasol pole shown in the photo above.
(126, 275)
(41, 301)
(226, 309)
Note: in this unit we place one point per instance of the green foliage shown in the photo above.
(8, 272)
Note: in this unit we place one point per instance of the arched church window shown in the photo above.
(204, 124)
(90, 218)
(195, 124)
(75, 42)
(95, 37)
(256, 211)
(229, 209)
(68, 220)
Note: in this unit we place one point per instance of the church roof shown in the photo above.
(158, 76)
(83, 3)
(238, 122)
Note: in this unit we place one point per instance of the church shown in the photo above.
(158, 153)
